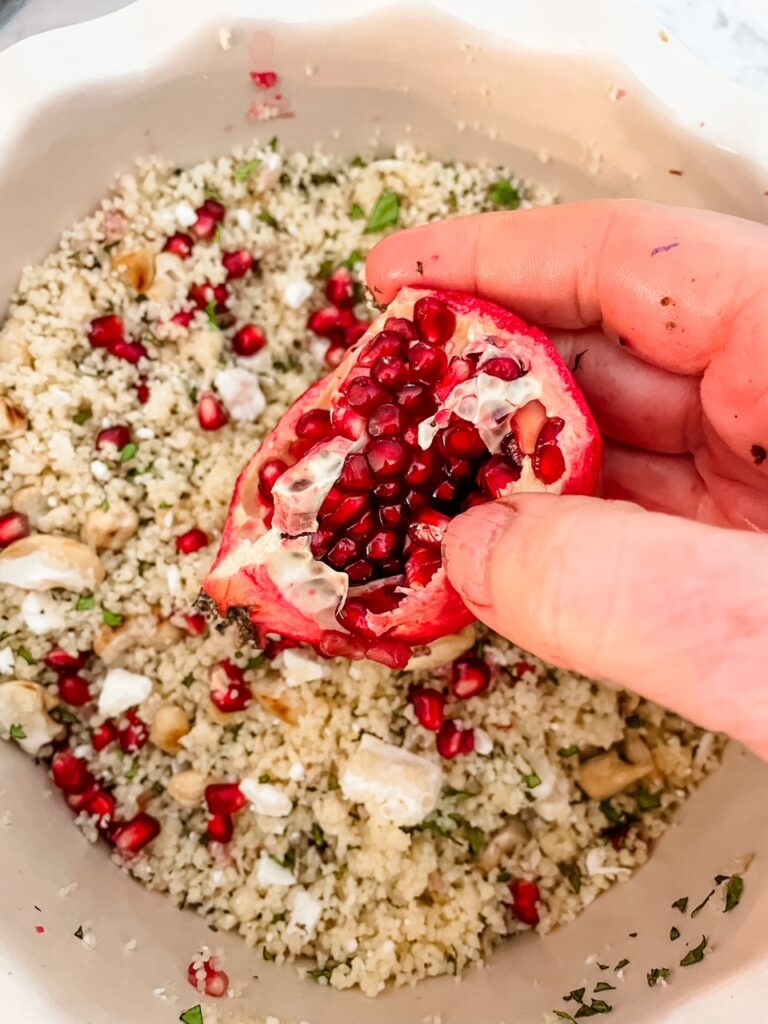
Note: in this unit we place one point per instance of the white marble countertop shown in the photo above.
(732, 35)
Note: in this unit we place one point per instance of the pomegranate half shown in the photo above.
(333, 536)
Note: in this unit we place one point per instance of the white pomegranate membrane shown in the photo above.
(335, 530)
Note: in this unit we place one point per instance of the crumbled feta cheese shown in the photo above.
(296, 772)
(483, 743)
(131, 946)
(145, 433)
(595, 864)
(266, 799)
(390, 782)
(269, 172)
(305, 914)
(296, 292)
(7, 661)
(122, 690)
(269, 872)
(185, 214)
(173, 578)
(41, 614)
(100, 471)
(67, 890)
(298, 668)
(240, 392)
(244, 218)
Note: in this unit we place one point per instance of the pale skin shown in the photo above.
(661, 583)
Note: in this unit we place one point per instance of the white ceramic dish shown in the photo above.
(533, 84)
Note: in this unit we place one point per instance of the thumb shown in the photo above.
(670, 608)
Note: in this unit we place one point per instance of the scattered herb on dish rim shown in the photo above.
(385, 213)
(27, 655)
(194, 1015)
(576, 995)
(674, 933)
(603, 986)
(681, 904)
(657, 974)
(128, 452)
(504, 194)
(564, 1016)
(704, 902)
(733, 893)
(695, 955)
(79, 933)
(419, 267)
(17, 732)
(621, 965)
(568, 751)
(245, 170)
(267, 954)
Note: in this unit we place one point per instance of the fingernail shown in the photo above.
(468, 547)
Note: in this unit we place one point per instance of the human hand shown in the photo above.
(662, 315)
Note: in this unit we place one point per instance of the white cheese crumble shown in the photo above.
(122, 690)
(173, 579)
(296, 292)
(296, 772)
(299, 669)
(269, 873)
(240, 392)
(42, 614)
(390, 782)
(267, 799)
(7, 661)
(100, 471)
(185, 214)
(305, 914)
(244, 218)
(483, 743)
(595, 864)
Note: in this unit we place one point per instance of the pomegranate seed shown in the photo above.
(103, 735)
(384, 344)
(386, 421)
(269, 474)
(195, 625)
(415, 399)
(388, 490)
(427, 362)
(446, 492)
(212, 981)
(386, 457)
(354, 333)
(525, 896)
(330, 322)
(134, 735)
(191, 541)
(463, 440)
(101, 804)
(320, 543)
(132, 836)
(422, 469)
(180, 245)
(429, 707)
(118, 436)
(523, 667)
(343, 552)
(365, 394)
(129, 351)
(452, 740)
(142, 391)
(548, 460)
(496, 476)
(473, 499)
(264, 79)
(383, 546)
(340, 288)
(391, 515)
(314, 425)
(428, 528)
(59, 659)
(417, 502)
(237, 264)
(70, 773)
(504, 367)
(458, 371)
(348, 422)
(211, 414)
(510, 448)
(362, 528)
(350, 508)
(421, 566)
(354, 617)
(106, 331)
(390, 371)
(204, 293)
(433, 320)
(224, 798)
(221, 828)
(355, 474)
(393, 653)
(459, 469)
(248, 340)
(383, 599)
(399, 325)
(470, 676)
(360, 571)
(74, 690)
(234, 694)
(209, 215)
(183, 318)
(13, 526)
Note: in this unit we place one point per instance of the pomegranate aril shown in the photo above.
(388, 490)
(428, 528)
(132, 836)
(383, 546)
(212, 981)
(360, 571)
(510, 448)
(209, 216)
(103, 735)
(74, 690)
(525, 896)
(390, 371)
(458, 371)
(548, 464)
(353, 617)
(473, 499)
(463, 441)
(496, 476)
(415, 399)
(386, 457)
(211, 414)
(384, 344)
(348, 422)
(221, 828)
(350, 508)
(102, 805)
(334, 354)
(459, 469)
(320, 542)
(421, 566)
(183, 318)
(340, 287)
(383, 599)
(386, 421)
(191, 541)
(70, 773)
(427, 362)
(314, 425)
(342, 553)
(235, 694)
(446, 492)
(134, 735)
(429, 707)
(452, 740)
(269, 474)
(550, 430)
(142, 392)
(355, 474)
(469, 677)
(400, 325)
(118, 436)
(393, 653)
(434, 321)
(237, 264)
(60, 660)
(354, 333)
(225, 798)
(248, 340)
(365, 394)
(391, 516)
(106, 331)
(128, 351)
(331, 322)
(503, 367)
(417, 502)
(13, 526)
(180, 245)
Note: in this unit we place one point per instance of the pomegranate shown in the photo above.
(74, 690)
(525, 896)
(224, 798)
(118, 437)
(142, 391)
(470, 676)
(429, 707)
(62, 661)
(180, 245)
(211, 414)
(195, 625)
(452, 740)
(207, 978)
(445, 402)
(134, 734)
(191, 541)
(130, 837)
(106, 331)
(264, 79)
(237, 264)
(209, 216)
(229, 690)
(221, 828)
(103, 735)
(70, 774)
(101, 804)
(13, 526)
(248, 340)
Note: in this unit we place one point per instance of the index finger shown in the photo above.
(669, 282)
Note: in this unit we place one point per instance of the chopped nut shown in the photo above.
(26, 704)
(635, 749)
(169, 273)
(502, 843)
(204, 346)
(606, 775)
(44, 561)
(136, 268)
(110, 530)
(187, 788)
(14, 346)
(443, 651)
(30, 502)
(13, 422)
(628, 703)
(144, 630)
(166, 634)
(168, 726)
(287, 711)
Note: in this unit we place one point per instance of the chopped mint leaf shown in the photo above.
(274, 143)
(210, 312)
(504, 195)
(353, 259)
(104, 506)
(79, 933)
(603, 986)
(704, 902)
(18, 732)
(531, 780)
(82, 415)
(289, 861)
(564, 1016)
(266, 777)
(356, 212)
(27, 655)
(158, 788)
(323, 973)
(326, 269)
(254, 663)
(614, 816)
(357, 161)
(188, 680)
(128, 452)
(733, 893)
(681, 904)
(219, 233)
(674, 933)
(112, 619)
(266, 218)
(268, 955)
(245, 170)
(576, 994)
(433, 825)
(647, 801)
(385, 213)
(573, 875)
(696, 955)
(568, 751)
(132, 772)
(317, 837)
(457, 794)
(475, 837)
(595, 1007)
(211, 193)
(602, 967)
(657, 974)
(621, 965)
(721, 878)
(194, 1015)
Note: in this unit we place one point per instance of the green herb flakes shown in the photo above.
(573, 875)
(603, 986)
(79, 933)
(129, 451)
(17, 732)
(188, 680)
(531, 780)
(696, 955)
(268, 955)
(621, 965)
(212, 193)
(647, 801)
(595, 1007)
(564, 1016)
(210, 312)
(674, 933)
(245, 170)
(733, 893)
(254, 663)
(132, 772)
(704, 902)
(357, 161)
(681, 904)
(356, 212)
(317, 837)
(504, 195)
(576, 994)
(82, 415)
(385, 213)
(457, 794)
(265, 777)
(568, 751)
(266, 218)
(657, 974)
(112, 619)
(27, 655)
(194, 1015)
